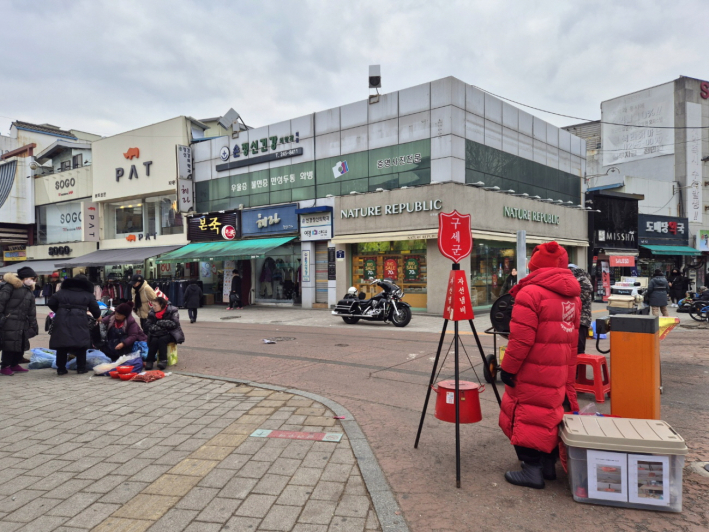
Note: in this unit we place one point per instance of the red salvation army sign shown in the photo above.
(455, 239)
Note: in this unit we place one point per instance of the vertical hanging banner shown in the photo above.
(455, 241)
(90, 223)
(694, 162)
(185, 191)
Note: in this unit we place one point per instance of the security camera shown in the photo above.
(375, 77)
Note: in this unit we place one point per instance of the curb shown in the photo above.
(382, 497)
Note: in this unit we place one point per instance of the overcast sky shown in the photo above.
(111, 66)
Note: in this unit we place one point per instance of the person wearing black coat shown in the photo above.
(71, 331)
(677, 286)
(193, 297)
(235, 292)
(163, 328)
(509, 282)
(657, 290)
(18, 318)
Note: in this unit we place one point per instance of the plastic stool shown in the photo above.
(598, 386)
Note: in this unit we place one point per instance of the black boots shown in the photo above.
(62, 371)
(530, 477)
(148, 366)
(162, 364)
(548, 467)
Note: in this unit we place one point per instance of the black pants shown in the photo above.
(158, 345)
(192, 313)
(78, 352)
(143, 323)
(583, 334)
(234, 300)
(535, 457)
(11, 358)
(676, 295)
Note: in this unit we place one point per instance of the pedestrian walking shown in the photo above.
(235, 292)
(18, 318)
(122, 331)
(539, 367)
(586, 299)
(163, 324)
(143, 294)
(677, 286)
(656, 293)
(193, 297)
(509, 282)
(71, 325)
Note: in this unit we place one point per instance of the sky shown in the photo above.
(111, 66)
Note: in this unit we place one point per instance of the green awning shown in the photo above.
(673, 250)
(237, 250)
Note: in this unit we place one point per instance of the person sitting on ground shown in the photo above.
(163, 328)
(122, 332)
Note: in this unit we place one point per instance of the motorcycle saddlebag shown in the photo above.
(346, 306)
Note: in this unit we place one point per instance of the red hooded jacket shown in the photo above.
(542, 354)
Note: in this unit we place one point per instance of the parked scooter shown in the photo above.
(385, 306)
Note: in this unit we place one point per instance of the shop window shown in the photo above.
(77, 161)
(156, 215)
(170, 217)
(278, 274)
(402, 261)
(129, 219)
(65, 165)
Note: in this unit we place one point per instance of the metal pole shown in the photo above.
(430, 383)
(482, 355)
(521, 255)
(457, 412)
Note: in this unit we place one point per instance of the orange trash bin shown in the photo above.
(635, 366)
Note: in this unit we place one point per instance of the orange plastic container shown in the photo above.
(635, 366)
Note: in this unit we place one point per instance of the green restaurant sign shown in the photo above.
(531, 216)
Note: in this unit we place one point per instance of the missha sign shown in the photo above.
(531, 216)
(392, 208)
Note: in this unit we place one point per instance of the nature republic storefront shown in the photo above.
(394, 234)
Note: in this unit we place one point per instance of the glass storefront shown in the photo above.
(278, 274)
(402, 261)
(156, 215)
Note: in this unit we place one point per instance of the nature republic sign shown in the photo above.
(531, 216)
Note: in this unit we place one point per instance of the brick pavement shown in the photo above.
(92, 453)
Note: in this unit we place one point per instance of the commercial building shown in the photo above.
(413, 148)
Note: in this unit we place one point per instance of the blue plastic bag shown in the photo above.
(94, 357)
(43, 358)
(142, 348)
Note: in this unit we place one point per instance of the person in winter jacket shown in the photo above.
(143, 295)
(18, 318)
(677, 284)
(509, 282)
(193, 297)
(539, 367)
(586, 299)
(657, 290)
(122, 332)
(235, 292)
(163, 326)
(71, 331)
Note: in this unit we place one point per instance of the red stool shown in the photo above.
(598, 386)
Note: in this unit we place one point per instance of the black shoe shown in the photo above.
(530, 477)
(162, 365)
(82, 371)
(148, 366)
(548, 468)
(62, 371)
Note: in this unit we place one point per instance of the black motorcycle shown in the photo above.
(385, 306)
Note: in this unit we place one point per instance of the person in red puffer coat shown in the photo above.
(539, 367)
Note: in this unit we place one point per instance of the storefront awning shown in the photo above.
(238, 250)
(673, 250)
(40, 267)
(109, 257)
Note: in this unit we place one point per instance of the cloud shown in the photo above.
(108, 67)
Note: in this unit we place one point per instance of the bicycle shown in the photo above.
(699, 311)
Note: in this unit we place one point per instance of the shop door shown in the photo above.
(244, 267)
(321, 272)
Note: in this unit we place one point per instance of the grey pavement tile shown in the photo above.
(172, 458)
(285, 466)
(124, 456)
(132, 467)
(7, 526)
(347, 524)
(197, 498)
(191, 445)
(197, 526)
(32, 510)
(355, 486)
(251, 446)
(267, 454)
(253, 469)
(305, 476)
(272, 424)
(9, 473)
(11, 487)
(242, 524)
(31, 463)
(74, 505)
(219, 510)
(295, 495)
(217, 478)
(44, 523)
(297, 449)
(98, 471)
(174, 520)
(150, 473)
(342, 456)
(233, 461)
(175, 439)
(68, 489)
(303, 527)
(81, 465)
(256, 505)
(20, 499)
(317, 512)
(106, 484)
(271, 484)
(337, 472)
(372, 521)
(328, 491)
(123, 492)
(281, 518)
(325, 447)
(353, 506)
(238, 488)
(47, 468)
(316, 459)
(29, 451)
